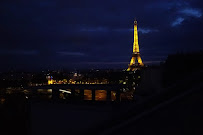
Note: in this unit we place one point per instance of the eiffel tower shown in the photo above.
(136, 52)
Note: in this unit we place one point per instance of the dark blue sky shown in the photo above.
(36, 34)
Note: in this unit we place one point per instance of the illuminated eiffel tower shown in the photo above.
(136, 52)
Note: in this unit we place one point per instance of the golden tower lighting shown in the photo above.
(136, 52)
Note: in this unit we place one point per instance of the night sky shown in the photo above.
(79, 34)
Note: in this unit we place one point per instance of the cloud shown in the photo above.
(103, 29)
(178, 21)
(147, 30)
(142, 30)
(19, 52)
(191, 12)
(184, 13)
(167, 5)
(122, 30)
(63, 53)
(181, 9)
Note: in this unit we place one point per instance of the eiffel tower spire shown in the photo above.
(136, 52)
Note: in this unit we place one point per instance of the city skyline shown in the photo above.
(62, 34)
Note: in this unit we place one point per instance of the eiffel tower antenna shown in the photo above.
(136, 52)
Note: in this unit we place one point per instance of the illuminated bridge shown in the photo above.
(93, 92)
